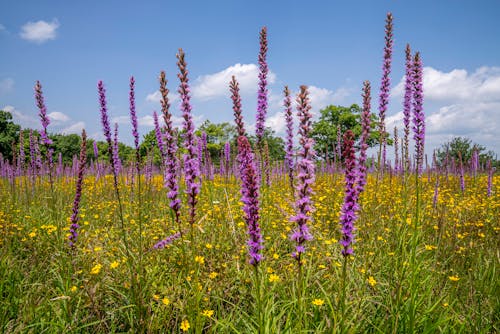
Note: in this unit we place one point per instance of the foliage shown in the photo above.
(9, 134)
(464, 147)
(325, 134)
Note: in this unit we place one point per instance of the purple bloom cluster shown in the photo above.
(306, 176)
(250, 199)
(287, 103)
(235, 96)
(407, 104)
(191, 167)
(170, 150)
(418, 111)
(350, 205)
(133, 115)
(43, 114)
(159, 137)
(262, 91)
(386, 83)
(78, 193)
(167, 241)
(365, 124)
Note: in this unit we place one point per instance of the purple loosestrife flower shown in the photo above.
(385, 85)
(418, 112)
(461, 172)
(107, 129)
(250, 199)
(227, 158)
(22, 155)
(396, 150)
(350, 205)
(116, 153)
(262, 91)
(306, 176)
(190, 159)
(287, 103)
(96, 149)
(43, 114)
(235, 96)
(133, 115)
(73, 231)
(365, 134)
(159, 137)
(407, 105)
(170, 150)
(167, 241)
(490, 178)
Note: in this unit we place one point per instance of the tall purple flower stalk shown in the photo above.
(107, 130)
(73, 236)
(250, 199)
(407, 105)
(43, 114)
(159, 137)
(418, 112)
(365, 124)
(303, 204)
(133, 115)
(227, 158)
(191, 167)
(22, 155)
(396, 150)
(170, 150)
(385, 86)
(287, 103)
(350, 205)
(96, 149)
(262, 91)
(116, 152)
(235, 96)
(167, 241)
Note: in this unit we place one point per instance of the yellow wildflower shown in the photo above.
(274, 278)
(96, 269)
(185, 325)
(207, 313)
(372, 281)
(318, 302)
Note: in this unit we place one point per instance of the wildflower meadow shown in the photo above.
(179, 243)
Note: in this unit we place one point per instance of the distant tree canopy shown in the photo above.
(463, 147)
(9, 134)
(324, 131)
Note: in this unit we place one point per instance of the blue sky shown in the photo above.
(331, 46)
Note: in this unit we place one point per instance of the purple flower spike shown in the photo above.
(191, 167)
(250, 199)
(303, 204)
(170, 150)
(107, 129)
(235, 96)
(407, 105)
(133, 115)
(386, 83)
(43, 114)
(365, 124)
(262, 92)
(287, 103)
(167, 241)
(418, 112)
(350, 205)
(78, 193)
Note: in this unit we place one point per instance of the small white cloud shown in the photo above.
(58, 117)
(457, 85)
(277, 122)
(40, 31)
(322, 97)
(156, 97)
(6, 86)
(2, 28)
(215, 85)
(74, 128)
(26, 121)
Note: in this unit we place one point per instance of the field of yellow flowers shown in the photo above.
(113, 280)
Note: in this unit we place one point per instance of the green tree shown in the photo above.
(324, 131)
(275, 144)
(217, 135)
(9, 134)
(464, 147)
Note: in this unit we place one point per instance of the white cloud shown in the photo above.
(457, 103)
(458, 85)
(209, 86)
(6, 86)
(58, 117)
(40, 31)
(156, 97)
(26, 121)
(74, 128)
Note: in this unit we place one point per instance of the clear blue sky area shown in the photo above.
(331, 46)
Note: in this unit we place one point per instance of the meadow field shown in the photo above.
(113, 280)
